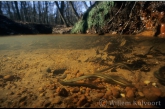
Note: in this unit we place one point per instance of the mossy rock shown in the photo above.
(94, 17)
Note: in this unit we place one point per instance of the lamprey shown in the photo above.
(112, 79)
(109, 78)
(66, 83)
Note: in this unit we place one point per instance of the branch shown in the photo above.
(116, 13)
(130, 15)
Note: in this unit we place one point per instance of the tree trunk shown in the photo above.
(85, 4)
(90, 3)
(34, 12)
(46, 12)
(25, 11)
(75, 12)
(16, 6)
(1, 13)
(39, 9)
(14, 11)
(8, 10)
(61, 14)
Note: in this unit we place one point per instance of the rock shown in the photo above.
(68, 100)
(100, 95)
(108, 94)
(114, 32)
(22, 104)
(1, 76)
(156, 91)
(52, 86)
(48, 70)
(42, 94)
(82, 101)
(140, 94)
(46, 103)
(147, 82)
(154, 84)
(1, 83)
(75, 89)
(115, 92)
(8, 77)
(88, 90)
(39, 104)
(149, 94)
(11, 93)
(142, 50)
(75, 100)
(130, 94)
(139, 86)
(149, 56)
(58, 71)
(41, 89)
(57, 100)
(62, 92)
(22, 98)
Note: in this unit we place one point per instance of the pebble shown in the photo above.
(130, 93)
(141, 94)
(62, 92)
(108, 94)
(8, 77)
(1, 76)
(82, 101)
(149, 56)
(123, 95)
(42, 94)
(100, 95)
(150, 95)
(156, 91)
(46, 103)
(22, 104)
(57, 100)
(75, 89)
(41, 89)
(115, 92)
(22, 98)
(146, 82)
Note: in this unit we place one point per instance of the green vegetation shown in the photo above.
(96, 17)
(78, 27)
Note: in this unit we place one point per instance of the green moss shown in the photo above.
(95, 18)
(78, 27)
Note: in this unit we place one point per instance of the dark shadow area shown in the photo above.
(58, 71)
(10, 27)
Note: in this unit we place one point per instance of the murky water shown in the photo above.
(48, 41)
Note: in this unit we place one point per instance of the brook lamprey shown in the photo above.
(66, 83)
(113, 79)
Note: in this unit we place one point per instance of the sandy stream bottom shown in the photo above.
(27, 76)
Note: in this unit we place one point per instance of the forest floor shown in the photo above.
(30, 78)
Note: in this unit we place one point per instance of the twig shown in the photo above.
(130, 15)
(116, 14)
